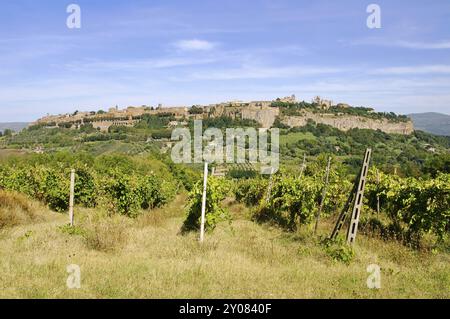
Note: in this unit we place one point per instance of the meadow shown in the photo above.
(147, 257)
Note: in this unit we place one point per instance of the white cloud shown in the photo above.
(421, 69)
(256, 72)
(195, 45)
(437, 45)
(137, 65)
(424, 45)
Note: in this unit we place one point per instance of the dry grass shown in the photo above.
(247, 261)
(99, 230)
(107, 235)
(159, 216)
(16, 209)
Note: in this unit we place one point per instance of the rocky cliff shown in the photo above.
(264, 116)
(346, 122)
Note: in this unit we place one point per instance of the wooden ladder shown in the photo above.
(356, 197)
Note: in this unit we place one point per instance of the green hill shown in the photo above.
(435, 123)
(409, 155)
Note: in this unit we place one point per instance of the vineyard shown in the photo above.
(409, 208)
(119, 196)
(405, 209)
(413, 207)
(121, 184)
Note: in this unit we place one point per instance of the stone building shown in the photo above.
(322, 103)
(261, 111)
(287, 99)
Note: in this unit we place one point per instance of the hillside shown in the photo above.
(407, 154)
(435, 123)
(287, 111)
(15, 126)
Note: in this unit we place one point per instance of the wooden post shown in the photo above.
(303, 166)
(324, 193)
(205, 182)
(71, 198)
(213, 171)
(378, 196)
(269, 188)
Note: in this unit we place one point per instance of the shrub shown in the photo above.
(217, 190)
(241, 173)
(183, 174)
(413, 206)
(127, 194)
(338, 250)
(42, 183)
(251, 192)
(72, 230)
(292, 202)
(118, 189)
(56, 190)
(85, 190)
(123, 184)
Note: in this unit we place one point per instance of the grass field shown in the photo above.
(295, 137)
(147, 258)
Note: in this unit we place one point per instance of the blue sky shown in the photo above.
(199, 52)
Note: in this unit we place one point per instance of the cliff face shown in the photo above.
(264, 116)
(261, 111)
(346, 122)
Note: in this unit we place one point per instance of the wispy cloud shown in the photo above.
(420, 69)
(261, 72)
(138, 65)
(425, 45)
(195, 45)
(418, 45)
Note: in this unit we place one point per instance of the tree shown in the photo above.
(436, 164)
(196, 110)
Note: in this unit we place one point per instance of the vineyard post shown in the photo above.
(303, 166)
(378, 196)
(202, 224)
(269, 188)
(324, 193)
(71, 197)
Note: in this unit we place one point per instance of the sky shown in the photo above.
(200, 52)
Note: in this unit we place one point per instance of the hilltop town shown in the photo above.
(266, 113)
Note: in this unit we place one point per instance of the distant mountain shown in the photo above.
(435, 123)
(15, 126)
